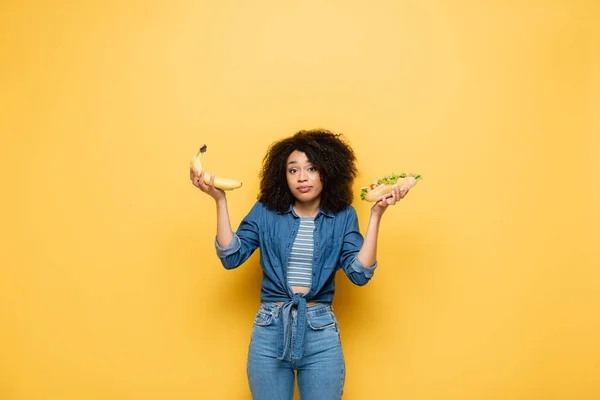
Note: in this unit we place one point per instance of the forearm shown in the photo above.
(224, 232)
(367, 254)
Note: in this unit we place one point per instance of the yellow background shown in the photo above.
(489, 282)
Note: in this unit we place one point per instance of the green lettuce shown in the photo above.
(386, 180)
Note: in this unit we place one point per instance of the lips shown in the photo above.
(303, 189)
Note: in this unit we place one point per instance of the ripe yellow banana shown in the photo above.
(220, 183)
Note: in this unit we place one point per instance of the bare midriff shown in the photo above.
(299, 289)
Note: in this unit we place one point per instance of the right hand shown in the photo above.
(210, 189)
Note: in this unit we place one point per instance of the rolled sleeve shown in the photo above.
(245, 240)
(231, 248)
(351, 245)
(357, 266)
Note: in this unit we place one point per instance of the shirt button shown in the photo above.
(314, 274)
(315, 259)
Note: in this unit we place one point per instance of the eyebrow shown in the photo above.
(296, 162)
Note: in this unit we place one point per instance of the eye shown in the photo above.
(292, 171)
(311, 169)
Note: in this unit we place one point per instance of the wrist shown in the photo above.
(376, 214)
(221, 201)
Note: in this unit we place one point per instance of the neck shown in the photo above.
(307, 209)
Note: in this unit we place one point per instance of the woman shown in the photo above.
(306, 230)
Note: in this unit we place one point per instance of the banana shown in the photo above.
(220, 183)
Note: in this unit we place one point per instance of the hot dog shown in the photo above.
(382, 188)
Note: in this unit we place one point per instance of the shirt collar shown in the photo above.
(321, 211)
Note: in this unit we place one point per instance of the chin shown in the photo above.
(307, 196)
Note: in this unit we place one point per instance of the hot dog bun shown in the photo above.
(382, 188)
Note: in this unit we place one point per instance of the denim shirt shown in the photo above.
(337, 240)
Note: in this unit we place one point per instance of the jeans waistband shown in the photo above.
(275, 309)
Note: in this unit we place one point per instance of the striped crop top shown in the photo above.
(300, 261)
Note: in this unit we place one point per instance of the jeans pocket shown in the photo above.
(321, 321)
(263, 318)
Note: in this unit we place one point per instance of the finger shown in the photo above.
(212, 181)
(392, 197)
(384, 197)
(194, 176)
(201, 183)
(397, 193)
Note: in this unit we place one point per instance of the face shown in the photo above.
(303, 178)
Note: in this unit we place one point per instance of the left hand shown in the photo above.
(382, 205)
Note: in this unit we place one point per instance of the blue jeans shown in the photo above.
(321, 370)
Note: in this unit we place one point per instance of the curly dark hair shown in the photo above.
(329, 153)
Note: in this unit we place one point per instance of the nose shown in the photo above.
(302, 176)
